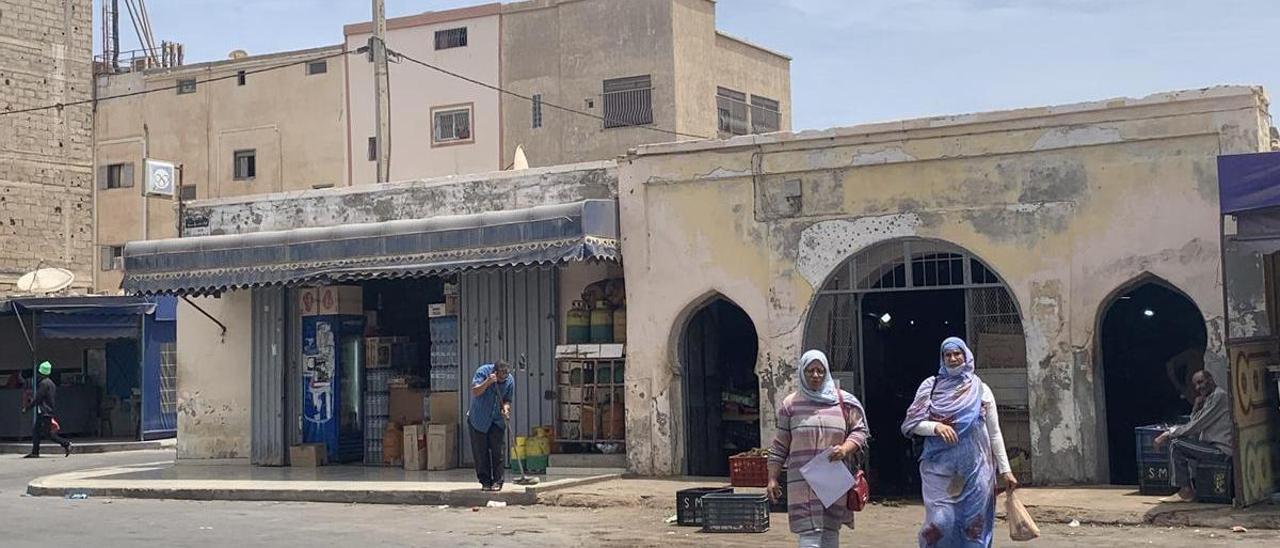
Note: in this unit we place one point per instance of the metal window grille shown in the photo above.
(628, 102)
(766, 115)
(537, 111)
(168, 378)
(452, 125)
(245, 164)
(188, 192)
(731, 111)
(317, 67)
(591, 394)
(186, 86)
(451, 38)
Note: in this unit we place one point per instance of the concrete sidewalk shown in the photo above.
(87, 446)
(349, 484)
(1088, 505)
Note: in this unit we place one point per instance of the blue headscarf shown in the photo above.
(827, 394)
(955, 395)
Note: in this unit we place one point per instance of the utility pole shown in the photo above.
(382, 97)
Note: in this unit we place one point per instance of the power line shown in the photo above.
(543, 102)
(236, 74)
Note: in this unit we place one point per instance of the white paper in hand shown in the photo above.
(829, 480)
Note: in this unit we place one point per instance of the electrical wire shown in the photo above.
(544, 102)
(60, 106)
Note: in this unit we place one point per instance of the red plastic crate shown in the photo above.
(749, 471)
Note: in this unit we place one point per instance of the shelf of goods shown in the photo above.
(377, 411)
(444, 353)
(590, 400)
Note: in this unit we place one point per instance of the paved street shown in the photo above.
(41, 521)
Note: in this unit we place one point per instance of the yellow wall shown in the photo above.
(214, 392)
(1067, 204)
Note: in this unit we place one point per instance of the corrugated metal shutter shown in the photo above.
(508, 314)
(268, 369)
(293, 360)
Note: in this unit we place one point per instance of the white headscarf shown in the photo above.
(827, 394)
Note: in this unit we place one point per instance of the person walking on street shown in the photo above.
(816, 417)
(955, 412)
(45, 404)
(491, 391)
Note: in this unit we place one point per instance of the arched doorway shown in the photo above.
(881, 317)
(719, 349)
(1152, 339)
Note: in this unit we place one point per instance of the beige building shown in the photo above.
(235, 129)
(46, 156)
(440, 124)
(647, 70)
(1076, 247)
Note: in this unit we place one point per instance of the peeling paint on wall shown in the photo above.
(826, 244)
(1076, 136)
(883, 156)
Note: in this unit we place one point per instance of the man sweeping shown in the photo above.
(491, 391)
(45, 404)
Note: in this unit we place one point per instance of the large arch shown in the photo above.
(880, 315)
(716, 391)
(1147, 332)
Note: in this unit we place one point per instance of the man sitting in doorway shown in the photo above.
(1206, 438)
(491, 391)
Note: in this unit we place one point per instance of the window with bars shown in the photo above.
(537, 111)
(451, 38)
(187, 192)
(731, 112)
(766, 115)
(452, 125)
(628, 101)
(168, 378)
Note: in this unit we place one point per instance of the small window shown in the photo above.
(452, 126)
(186, 86)
(115, 176)
(241, 78)
(766, 115)
(317, 67)
(537, 111)
(451, 38)
(731, 112)
(628, 101)
(373, 149)
(112, 257)
(245, 164)
(187, 192)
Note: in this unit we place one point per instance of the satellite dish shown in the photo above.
(237, 54)
(46, 280)
(520, 161)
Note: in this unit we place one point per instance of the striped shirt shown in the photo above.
(806, 428)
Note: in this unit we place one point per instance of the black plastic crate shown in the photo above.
(735, 513)
(689, 504)
(1214, 483)
(1153, 477)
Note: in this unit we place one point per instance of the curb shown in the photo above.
(53, 449)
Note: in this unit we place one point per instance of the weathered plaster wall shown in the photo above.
(1060, 201)
(214, 394)
(458, 195)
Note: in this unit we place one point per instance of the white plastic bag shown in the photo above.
(1021, 526)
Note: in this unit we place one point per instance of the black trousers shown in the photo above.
(44, 429)
(489, 449)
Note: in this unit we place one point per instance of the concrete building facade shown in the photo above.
(649, 70)
(230, 128)
(46, 156)
(1055, 217)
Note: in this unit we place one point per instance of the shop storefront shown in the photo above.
(359, 331)
(114, 361)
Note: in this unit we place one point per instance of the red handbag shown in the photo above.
(858, 496)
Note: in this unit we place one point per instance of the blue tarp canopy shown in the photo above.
(87, 317)
(1248, 182)
(211, 265)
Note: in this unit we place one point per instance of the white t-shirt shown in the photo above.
(926, 428)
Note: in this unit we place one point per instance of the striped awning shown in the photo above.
(211, 265)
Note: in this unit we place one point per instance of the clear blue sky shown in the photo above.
(873, 60)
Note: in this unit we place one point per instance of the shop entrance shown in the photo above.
(1152, 339)
(721, 390)
(881, 317)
